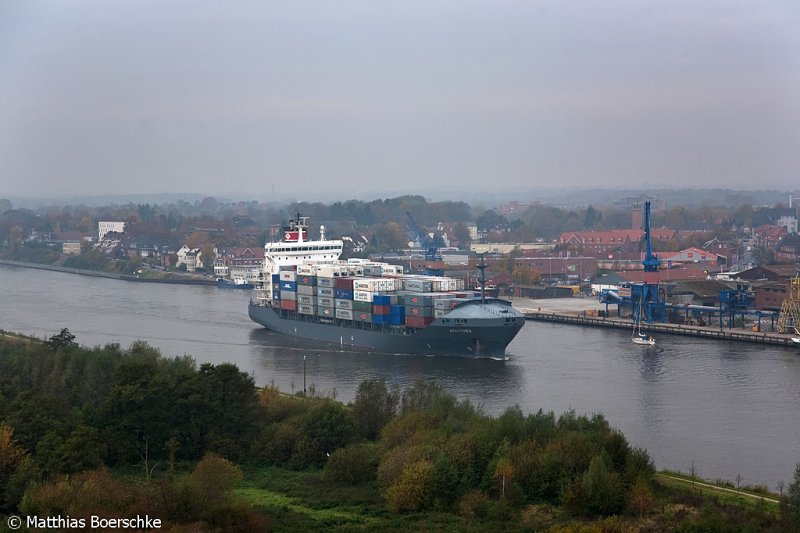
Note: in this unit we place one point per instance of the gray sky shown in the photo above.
(351, 99)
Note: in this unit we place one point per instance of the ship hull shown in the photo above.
(484, 337)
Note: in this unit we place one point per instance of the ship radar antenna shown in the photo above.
(322, 232)
(482, 278)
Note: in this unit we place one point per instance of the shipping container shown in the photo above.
(307, 290)
(276, 295)
(381, 299)
(306, 270)
(306, 309)
(362, 306)
(446, 303)
(343, 304)
(417, 285)
(343, 294)
(380, 310)
(289, 295)
(380, 319)
(288, 286)
(325, 301)
(418, 322)
(307, 280)
(362, 296)
(289, 305)
(414, 300)
(362, 317)
(288, 275)
(324, 282)
(304, 299)
(326, 312)
(419, 311)
(344, 314)
(344, 283)
(327, 292)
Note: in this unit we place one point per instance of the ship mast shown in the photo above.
(482, 278)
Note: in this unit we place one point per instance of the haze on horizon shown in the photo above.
(350, 98)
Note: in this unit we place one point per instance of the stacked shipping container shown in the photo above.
(360, 291)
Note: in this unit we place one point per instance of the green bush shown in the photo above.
(352, 464)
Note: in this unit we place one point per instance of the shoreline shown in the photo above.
(581, 312)
(108, 275)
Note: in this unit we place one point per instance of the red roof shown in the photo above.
(674, 274)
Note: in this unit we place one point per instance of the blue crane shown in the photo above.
(647, 304)
(425, 242)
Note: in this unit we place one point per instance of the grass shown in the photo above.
(722, 491)
(304, 500)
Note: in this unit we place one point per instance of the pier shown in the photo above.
(580, 311)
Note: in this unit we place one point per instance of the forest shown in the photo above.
(113, 432)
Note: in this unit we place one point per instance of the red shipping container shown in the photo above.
(344, 283)
(289, 305)
(380, 309)
(418, 321)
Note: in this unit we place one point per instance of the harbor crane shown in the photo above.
(646, 302)
(426, 242)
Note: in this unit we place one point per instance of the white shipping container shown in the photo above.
(288, 275)
(306, 309)
(324, 301)
(309, 290)
(362, 296)
(307, 270)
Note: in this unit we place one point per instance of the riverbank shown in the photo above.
(151, 277)
(579, 311)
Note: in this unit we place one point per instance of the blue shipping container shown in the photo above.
(344, 294)
(276, 278)
(380, 319)
(276, 295)
(289, 286)
(380, 299)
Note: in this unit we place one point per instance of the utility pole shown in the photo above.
(304, 375)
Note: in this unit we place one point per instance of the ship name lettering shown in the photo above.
(460, 330)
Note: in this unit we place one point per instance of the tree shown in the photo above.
(63, 339)
(790, 506)
(212, 480)
(461, 233)
(374, 407)
(641, 497)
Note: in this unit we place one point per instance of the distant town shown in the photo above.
(535, 250)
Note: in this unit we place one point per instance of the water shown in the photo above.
(732, 409)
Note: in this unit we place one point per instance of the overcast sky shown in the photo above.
(341, 98)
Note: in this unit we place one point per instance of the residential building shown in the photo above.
(191, 257)
(104, 227)
(239, 263)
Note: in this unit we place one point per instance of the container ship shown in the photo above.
(305, 291)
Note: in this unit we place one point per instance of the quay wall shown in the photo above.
(672, 329)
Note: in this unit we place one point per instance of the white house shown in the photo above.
(104, 227)
(189, 257)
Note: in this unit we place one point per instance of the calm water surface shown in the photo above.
(731, 408)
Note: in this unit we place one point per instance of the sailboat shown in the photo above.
(639, 337)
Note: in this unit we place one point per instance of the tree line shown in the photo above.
(68, 414)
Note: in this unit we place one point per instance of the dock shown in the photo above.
(578, 312)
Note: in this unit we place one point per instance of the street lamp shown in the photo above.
(304, 375)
